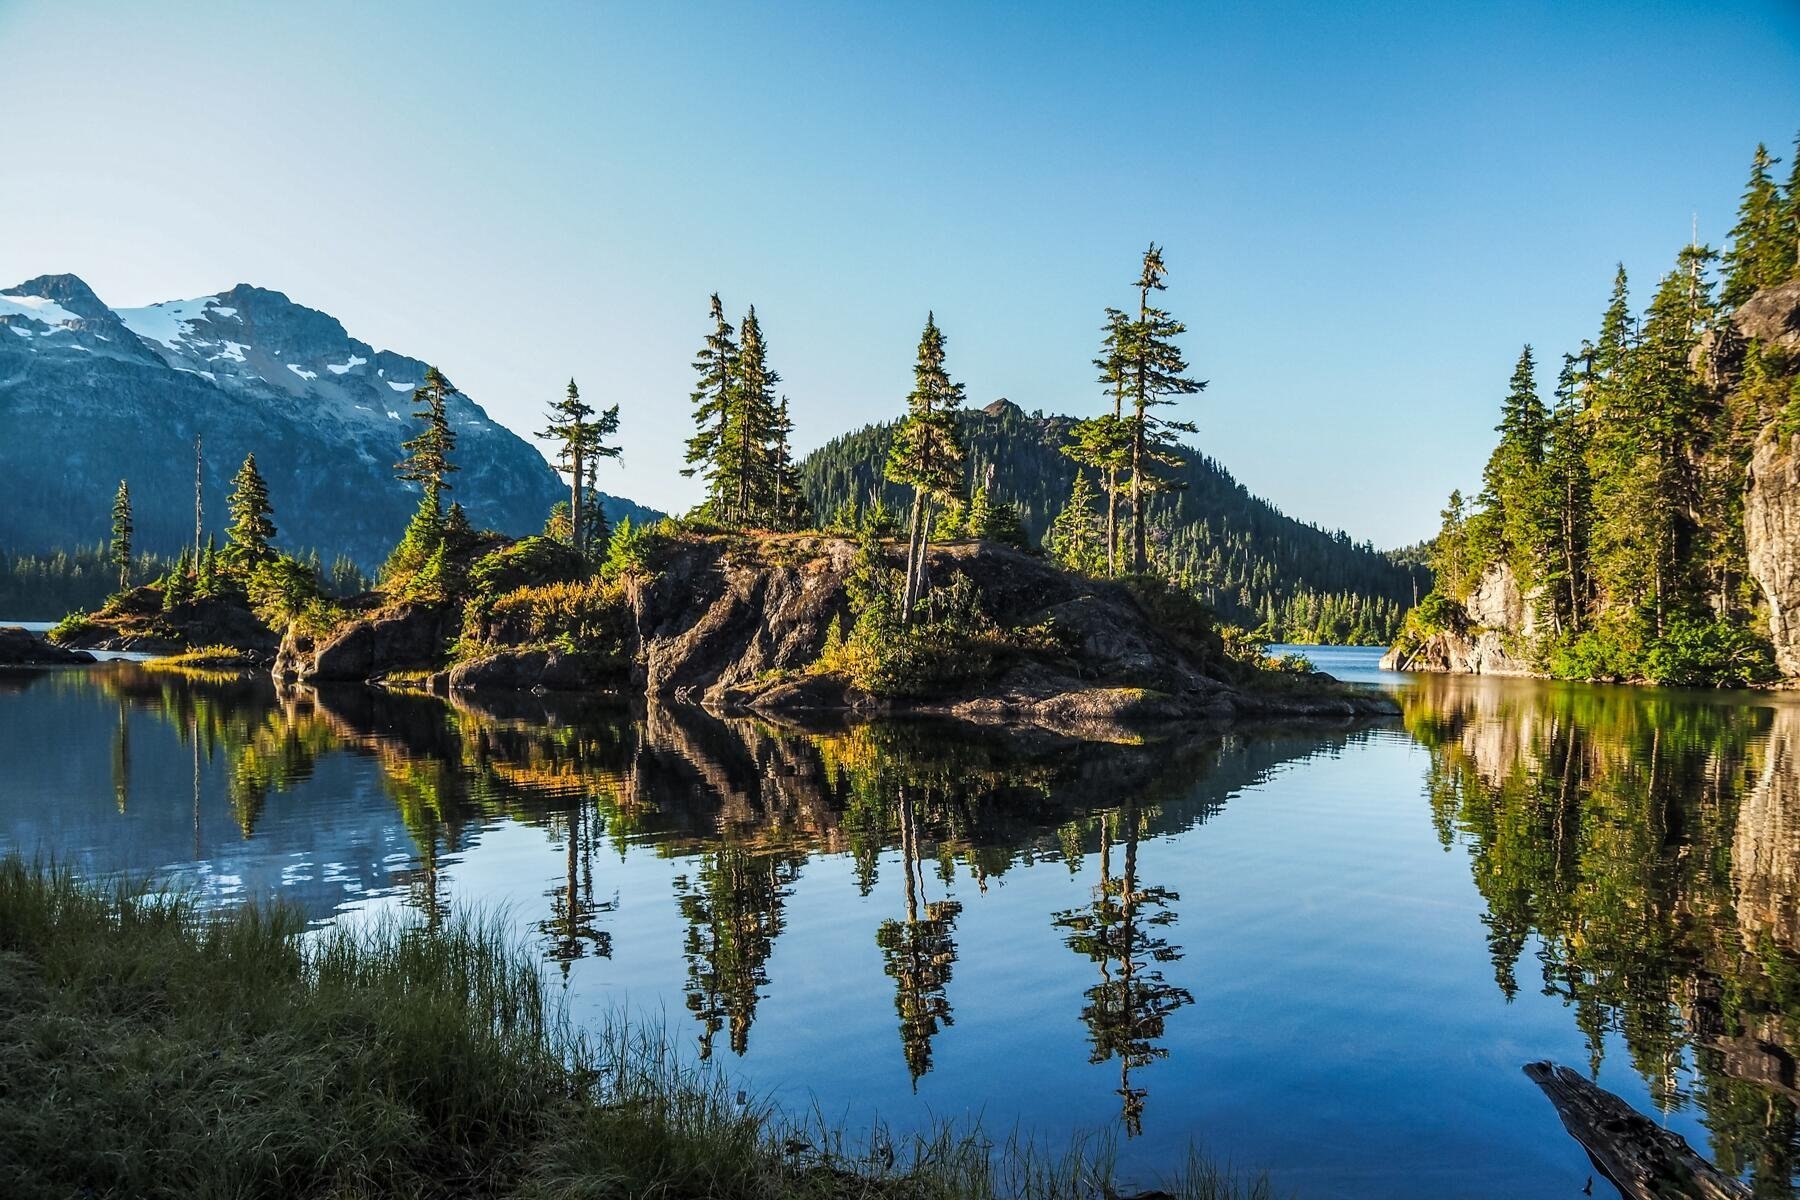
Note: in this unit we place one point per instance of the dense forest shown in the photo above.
(1255, 566)
(44, 587)
(1618, 506)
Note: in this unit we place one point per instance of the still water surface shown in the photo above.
(1320, 951)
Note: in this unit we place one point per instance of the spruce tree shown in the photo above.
(1513, 478)
(788, 506)
(1104, 442)
(427, 462)
(716, 365)
(927, 451)
(249, 530)
(749, 422)
(1074, 538)
(1762, 250)
(120, 548)
(1568, 498)
(571, 429)
(1156, 371)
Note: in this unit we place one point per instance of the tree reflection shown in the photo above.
(917, 953)
(1118, 931)
(1645, 849)
(733, 908)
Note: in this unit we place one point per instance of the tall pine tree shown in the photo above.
(250, 530)
(1763, 242)
(120, 547)
(927, 452)
(1156, 371)
(716, 365)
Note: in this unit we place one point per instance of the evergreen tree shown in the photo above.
(716, 364)
(249, 530)
(1104, 442)
(1568, 497)
(927, 451)
(1075, 537)
(178, 584)
(788, 507)
(1763, 242)
(121, 534)
(745, 459)
(1156, 370)
(206, 573)
(578, 439)
(1513, 478)
(427, 462)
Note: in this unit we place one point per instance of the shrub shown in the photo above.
(632, 551)
(280, 590)
(588, 617)
(1181, 616)
(528, 562)
(1708, 652)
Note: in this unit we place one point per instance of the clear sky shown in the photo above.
(1364, 213)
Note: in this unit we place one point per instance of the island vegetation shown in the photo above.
(944, 600)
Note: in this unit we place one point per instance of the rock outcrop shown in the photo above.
(1502, 618)
(138, 621)
(736, 624)
(409, 637)
(22, 648)
(1772, 539)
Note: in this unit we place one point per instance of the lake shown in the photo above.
(1320, 951)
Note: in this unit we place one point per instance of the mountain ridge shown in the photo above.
(96, 394)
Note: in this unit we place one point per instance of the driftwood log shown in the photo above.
(1641, 1158)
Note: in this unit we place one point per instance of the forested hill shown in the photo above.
(1256, 566)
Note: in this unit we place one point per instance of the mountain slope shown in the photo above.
(1253, 564)
(90, 395)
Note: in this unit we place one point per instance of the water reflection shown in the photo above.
(958, 910)
(1644, 849)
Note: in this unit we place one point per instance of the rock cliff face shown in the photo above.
(1772, 537)
(733, 625)
(1502, 618)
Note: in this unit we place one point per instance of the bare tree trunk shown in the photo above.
(1112, 521)
(915, 556)
(575, 503)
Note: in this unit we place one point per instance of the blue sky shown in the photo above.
(1365, 209)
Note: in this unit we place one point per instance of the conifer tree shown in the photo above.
(427, 462)
(1104, 442)
(1513, 478)
(206, 573)
(1567, 496)
(1074, 538)
(1156, 371)
(572, 429)
(749, 424)
(120, 546)
(250, 529)
(1763, 247)
(927, 451)
(788, 507)
(716, 365)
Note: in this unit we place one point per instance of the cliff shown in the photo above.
(1501, 621)
(1772, 539)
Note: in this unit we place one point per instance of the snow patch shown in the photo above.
(393, 414)
(401, 387)
(172, 321)
(20, 330)
(36, 308)
(234, 351)
(302, 372)
(341, 368)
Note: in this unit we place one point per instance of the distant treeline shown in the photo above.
(45, 587)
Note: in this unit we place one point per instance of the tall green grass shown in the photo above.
(150, 1050)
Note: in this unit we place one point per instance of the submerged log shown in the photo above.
(1641, 1158)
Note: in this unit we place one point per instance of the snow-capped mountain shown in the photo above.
(90, 395)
